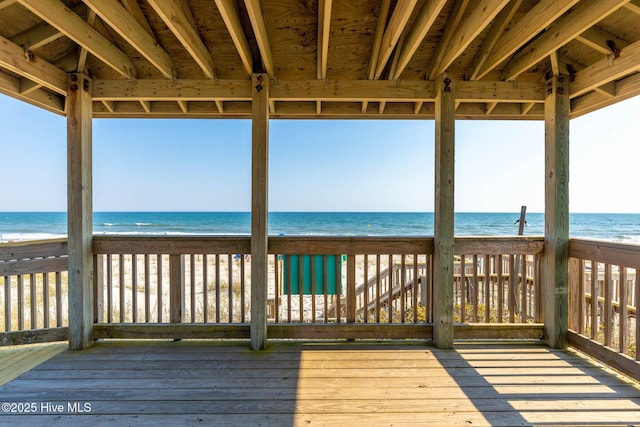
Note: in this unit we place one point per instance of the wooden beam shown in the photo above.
(177, 16)
(556, 245)
(607, 70)
(133, 7)
(583, 16)
(377, 42)
(452, 24)
(397, 23)
(259, 210)
(14, 59)
(626, 88)
(184, 105)
(555, 63)
(599, 40)
(80, 211)
(607, 89)
(219, 105)
(10, 86)
(27, 86)
(109, 105)
(126, 25)
(526, 107)
(497, 29)
(37, 36)
(443, 213)
(324, 25)
(7, 3)
(312, 90)
(424, 21)
(73, 26)
(633, 6)
(227, 9)
(485, 11)
(490, 107)
(541, 16)
(146, 105)
(260, 32)
(82, 52)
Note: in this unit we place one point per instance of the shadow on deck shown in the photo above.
(212, 383)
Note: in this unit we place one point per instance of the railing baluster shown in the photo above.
(525, 286)
(33, 301)
(300, 288)
(313, 289)
(378, 288)
(192, 287)
(242, 288)
(45, 299)
(205, 289)
(59, 300)
(231, 286)
(109, 288)
(217, 258)
(351, 289)
(20, 289)
(365, 293)
(159, 274)
(134, 288)
(608, 299)
(500, 289)
(147, 288)
(122, 288)
(594, 300)
(622, 312)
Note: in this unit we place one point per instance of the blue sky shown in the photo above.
(323, 165)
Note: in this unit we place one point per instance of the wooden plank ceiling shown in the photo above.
(325, 59)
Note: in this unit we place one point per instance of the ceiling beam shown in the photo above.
(419, 29)
(133, 7)
(6, 3)
(607, 70)
(73, 26)
(324, 25)
(260, 31)
(10, 86)
(82, 52)
(126, 25)
(583, 16)
(313, 90)
(383, 14)
(541, 16)
(37, 36)
(184, 105)
(14, 59)
(466, 32)
(627, 88)
(397, 23)
(600, 40)
(452, 24)
(497, 29)
(633, 6)
(177, 16)
(227, 9)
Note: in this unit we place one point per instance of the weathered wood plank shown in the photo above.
(611, 357)
(443, 212)
(80, 210)
(33, 249)
(556, 255)
(627, 255)
(33, 266)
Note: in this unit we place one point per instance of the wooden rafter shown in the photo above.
(126, 25)
(497, 29)
(583, 16)
(536, 20)
(177, 16)
(7, 3)
(633, 6)
(260, 31)
(227, 9)
(626, 88)
(383, 14)
(133, 7)
(37, 36)
(184, 105)
(324, 25)
(607, 70)
(419, 29)
(74, 27)
(397, 23)
(599, 40)
(82, 52)
(449, 29)
(146, 105)
(468, 30)
(13, 58)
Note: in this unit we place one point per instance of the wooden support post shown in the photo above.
(443, 216)
(80, 210)
(556, 229)
(259, 210)
(176, 288)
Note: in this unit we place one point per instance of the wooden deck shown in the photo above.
(177, 383)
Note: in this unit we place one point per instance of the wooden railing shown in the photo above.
(604, 296)
(33, 291)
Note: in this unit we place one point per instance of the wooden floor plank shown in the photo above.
(173, 383)
(16, 360)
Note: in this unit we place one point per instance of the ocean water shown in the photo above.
(38, 225)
